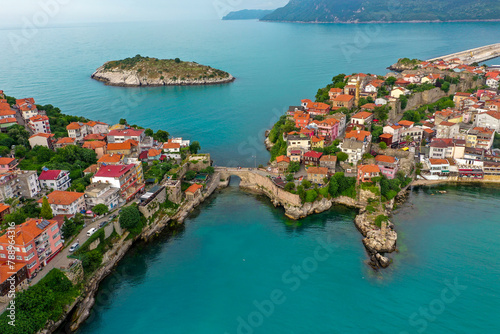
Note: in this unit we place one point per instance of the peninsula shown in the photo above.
(247, 14)
(142, 71)
(364, 11)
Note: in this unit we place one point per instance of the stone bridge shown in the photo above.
(258, 181)
(477, 55)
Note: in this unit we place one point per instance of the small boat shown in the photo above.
(442, 191)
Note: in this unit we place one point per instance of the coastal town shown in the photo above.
(407, 124)
(70, 188)
(75, 193)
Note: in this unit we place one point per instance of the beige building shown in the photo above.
(317, 174)
(101, 193)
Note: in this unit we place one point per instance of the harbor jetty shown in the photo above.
(476, 55)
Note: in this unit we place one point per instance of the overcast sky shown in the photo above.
(15, 12)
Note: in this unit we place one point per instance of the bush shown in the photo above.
(44, 301)
(306, 183)
(289, 177)
(294, 167)
(341, 156)
(290, 186)
(382, 145)
(91, 261)
(100, 209)
(380, 219)
(311, 195)
(324, 192)
(130, 217)
(370, 209)
(190, 175)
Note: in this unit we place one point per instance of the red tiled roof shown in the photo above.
(343, 98)
(406, 123)
(167, 146)
(438, 161)
(358, 134)
(8, 269)
(317, 170)
(113, 170)
(94, 144)
(313, 154)
(282, 158)
(154, 152)
(4, 207)
(193, 188)
(74, 125)
(385, 158)
(126, 133)
(66, 140)
(49, 175)
(119, 146)
(59, 197)
(369, 169)
(362, 115)
(39, 118)
(94, 136)
(6, 161)
(328, 158)
(8, 120)
(46, 135)
(7, 112)
(111, 158)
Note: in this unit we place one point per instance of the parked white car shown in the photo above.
(91, 231)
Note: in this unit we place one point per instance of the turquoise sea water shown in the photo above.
(237, 252)
(276, 65)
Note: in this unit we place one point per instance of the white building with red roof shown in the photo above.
(489, 119)
(39, 124)
(124, 177)
(27, 107)
(119, 136)
(65, 202)
(55, 179)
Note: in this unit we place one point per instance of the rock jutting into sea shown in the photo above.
(144, 71)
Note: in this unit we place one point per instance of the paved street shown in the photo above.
(61, 260)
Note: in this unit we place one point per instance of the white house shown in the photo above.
(179, 140)
(397, 92)
(65, 202)
(55, 179)
(489, 119)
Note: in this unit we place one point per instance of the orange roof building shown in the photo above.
(359, 135)
(65, 202)
(111, 159)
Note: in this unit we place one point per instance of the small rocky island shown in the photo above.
(145, 71)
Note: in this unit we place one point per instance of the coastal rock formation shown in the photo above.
(132, 79)
(297, 212)
(144, 71)
(377, 241)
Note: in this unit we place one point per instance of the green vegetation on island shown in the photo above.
(147, 71)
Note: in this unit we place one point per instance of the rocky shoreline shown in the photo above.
(82, 306)
(132, 79)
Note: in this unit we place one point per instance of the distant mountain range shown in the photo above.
(350, 11)
(248, 14)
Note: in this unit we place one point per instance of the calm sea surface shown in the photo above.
(240, 266)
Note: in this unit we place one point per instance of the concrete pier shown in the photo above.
(477, 55)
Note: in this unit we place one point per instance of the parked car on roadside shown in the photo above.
(74, 247)
(91, 231)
